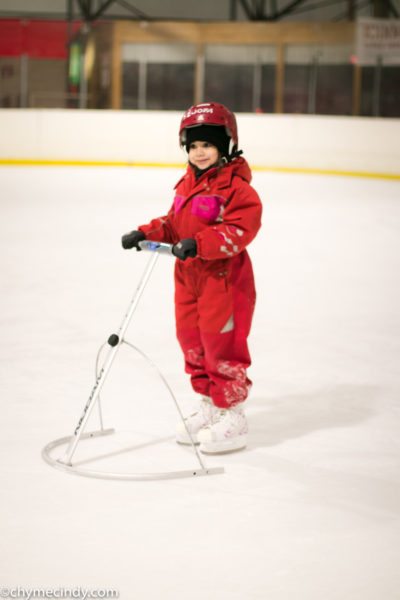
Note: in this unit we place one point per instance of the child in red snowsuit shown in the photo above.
(214, 216)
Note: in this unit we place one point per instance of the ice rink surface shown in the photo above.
(310, 511)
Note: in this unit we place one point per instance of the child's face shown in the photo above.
(203, 154)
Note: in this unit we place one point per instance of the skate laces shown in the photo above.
(232, 415)
(217, 416)
(220, 414)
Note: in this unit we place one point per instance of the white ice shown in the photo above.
(310, 511)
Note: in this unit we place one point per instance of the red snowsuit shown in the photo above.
(214, 292)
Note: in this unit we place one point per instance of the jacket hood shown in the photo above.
(240, 168)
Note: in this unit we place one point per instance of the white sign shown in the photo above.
(378, 40)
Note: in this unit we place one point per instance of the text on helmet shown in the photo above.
(197, 111)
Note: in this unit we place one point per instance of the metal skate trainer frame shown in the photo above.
(114, 342)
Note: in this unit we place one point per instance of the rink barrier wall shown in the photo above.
(81, 163)
(311, 144)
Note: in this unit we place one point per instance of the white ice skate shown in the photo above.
(226, 433)
(195, 422)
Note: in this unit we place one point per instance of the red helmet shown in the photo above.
(209, 113)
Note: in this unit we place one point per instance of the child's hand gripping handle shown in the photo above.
(132, 240)
(136, 239)
(184, 249)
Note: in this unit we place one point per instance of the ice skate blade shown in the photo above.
(224, 447)
(185, 441)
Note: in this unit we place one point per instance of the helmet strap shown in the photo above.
(234, 155)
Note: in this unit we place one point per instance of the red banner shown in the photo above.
(37, 39)
(11, 34)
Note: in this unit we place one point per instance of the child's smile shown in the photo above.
(203, 155)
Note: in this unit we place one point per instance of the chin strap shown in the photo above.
(234, 154)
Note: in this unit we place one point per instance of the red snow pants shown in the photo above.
(214, 305)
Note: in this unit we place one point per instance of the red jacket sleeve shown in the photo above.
(241, 222)
(160, 230)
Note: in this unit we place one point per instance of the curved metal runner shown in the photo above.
(115, 341)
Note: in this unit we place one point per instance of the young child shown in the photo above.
(214, 216)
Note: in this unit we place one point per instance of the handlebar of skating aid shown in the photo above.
(159, 247)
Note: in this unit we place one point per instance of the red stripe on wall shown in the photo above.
(37, 39)
(11, 33)
(46, 40)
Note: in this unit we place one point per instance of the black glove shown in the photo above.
(185, 248)
(132, 239)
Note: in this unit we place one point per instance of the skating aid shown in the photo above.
(114, 342)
